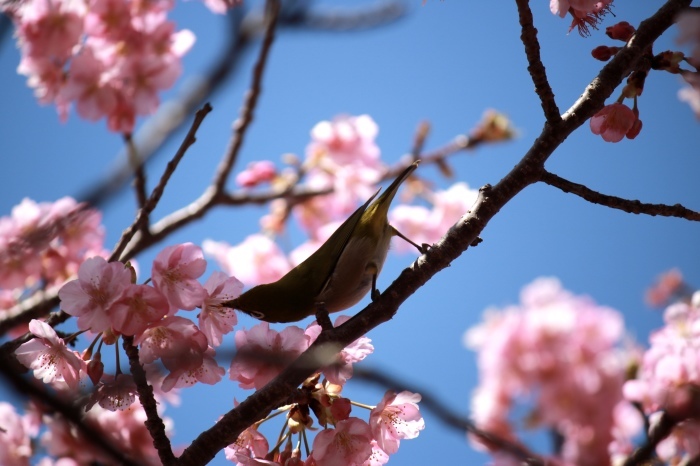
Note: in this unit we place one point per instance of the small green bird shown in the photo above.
(339, 273)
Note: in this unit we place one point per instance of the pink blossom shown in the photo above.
(356, 351)
(349, 443)
(47, 241)
(215, 320)
(396, 417)
(262, 353)
(423, 225)
(90, 297)
(49, 357)
(221, 6)
(688, 23)
(177, 342)
(250, 440)
(114, 393)
(139, 306)
(87, 84)
(691, 93)
(669, 376)
(175, 272)
(585, 13)
(378, 456)
(125, 429)
(345, 140)
(49, 28)
(562, 351)
(209, 372)
(256, 173)
(15, 444)
(613, 122)
(256, 260)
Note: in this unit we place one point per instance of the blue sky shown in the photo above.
(444, 62)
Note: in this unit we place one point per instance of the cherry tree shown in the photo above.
(101, 341)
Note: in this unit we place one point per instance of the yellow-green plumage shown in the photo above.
(338, 274)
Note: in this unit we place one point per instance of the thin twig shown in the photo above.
(448, 416)
(240, 126)
(535, 65)
(153, 423)
(139, 224)
(137, 164)
(614, 202)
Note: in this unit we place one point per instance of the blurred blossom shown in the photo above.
(669, 379)
(561, 351)
(256, 260)
(428, 225)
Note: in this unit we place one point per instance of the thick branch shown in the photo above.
(614, 202)
(535, 65)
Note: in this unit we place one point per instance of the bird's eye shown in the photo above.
(257, 314)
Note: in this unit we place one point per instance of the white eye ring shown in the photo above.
(257, 314)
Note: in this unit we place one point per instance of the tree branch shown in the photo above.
(535, 65)
(614, 202)
(153, 423)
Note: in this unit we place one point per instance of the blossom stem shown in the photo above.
(116, 350)
(306, 442)
(362, 405)
(73, 336)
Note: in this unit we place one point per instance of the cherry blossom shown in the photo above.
(396, 417)
(139, 306)
(669, 376)
(91, 296)
(613, 122)
(262, 353)
(15, 443)
(209, 372)
(350, 442)
(174, 273)
(561, 350)
(256, 173)
(250, 440)
(178, 343)
(47, 241)
(114, 393)
(256, 260)
(356, 351)
(215, 320)
(49, 357)
(423, 225)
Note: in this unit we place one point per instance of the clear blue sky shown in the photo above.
(445, 62)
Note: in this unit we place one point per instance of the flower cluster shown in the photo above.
(669, 380)
(585, 13)
(261, 354)
(22, 437)
(45, 242)
(106, 301)
(561, 351)
(110, 58)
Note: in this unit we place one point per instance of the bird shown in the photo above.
(339, 273)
